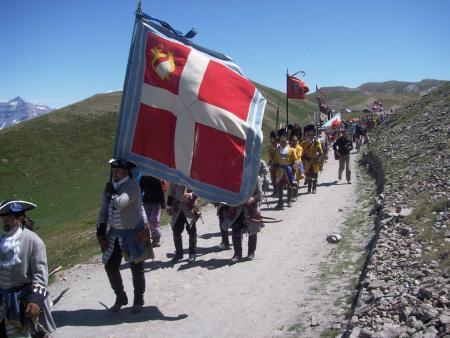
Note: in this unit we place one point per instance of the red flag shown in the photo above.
(296, 88)
(190, 117)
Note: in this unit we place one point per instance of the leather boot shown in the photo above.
(251, 246)
(137, 271)
(178, 241)
(225, 241)
(121, 300)
(237, 245)
(192, 247)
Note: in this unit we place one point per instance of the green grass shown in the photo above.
(59, 161)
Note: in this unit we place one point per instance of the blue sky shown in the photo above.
(60, 52)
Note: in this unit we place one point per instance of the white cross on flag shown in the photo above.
(189, 116)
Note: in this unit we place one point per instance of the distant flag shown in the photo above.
(334, 123)
(189, 115)
(296, 88)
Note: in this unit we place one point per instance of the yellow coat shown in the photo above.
(311, 151)
(284, 157)
(298, 153)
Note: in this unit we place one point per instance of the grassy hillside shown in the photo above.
(59, 161)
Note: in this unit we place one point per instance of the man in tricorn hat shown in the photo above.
(128, 235)
(24, 301)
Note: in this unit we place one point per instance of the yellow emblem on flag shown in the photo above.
(163, 63)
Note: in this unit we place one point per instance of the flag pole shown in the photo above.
(287, 105)
(278, 115)
(124, 90)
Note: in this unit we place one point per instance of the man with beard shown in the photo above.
(24, 301)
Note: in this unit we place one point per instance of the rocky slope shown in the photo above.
(405, 289)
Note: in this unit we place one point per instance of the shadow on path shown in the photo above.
(99, 317)
(210, 264)
(210, 235)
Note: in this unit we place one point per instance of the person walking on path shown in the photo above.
(342, 148)
(312, 151)
(245, 218)
(285, 159)
(154, 201)
(272, 151)
(298, 166)
(128, 235)
(182, 206)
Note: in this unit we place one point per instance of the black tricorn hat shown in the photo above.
(15, 207)
(121, 163)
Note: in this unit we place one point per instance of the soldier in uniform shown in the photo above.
(24, 300)
(298, 166)
(182, 206)
(128, 234)
(272, 150)
(312, 151)
(285, 159)
(245, 218)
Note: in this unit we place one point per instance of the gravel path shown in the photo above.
(212, 298)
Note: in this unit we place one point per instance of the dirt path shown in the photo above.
(212, 298)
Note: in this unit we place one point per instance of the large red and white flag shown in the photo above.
(189, 116)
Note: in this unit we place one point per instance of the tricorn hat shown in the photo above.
(121, 163)
(15, 207)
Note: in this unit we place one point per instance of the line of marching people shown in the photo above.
(294, 160)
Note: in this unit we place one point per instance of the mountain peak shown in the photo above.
(18, 110)
(17, 99)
